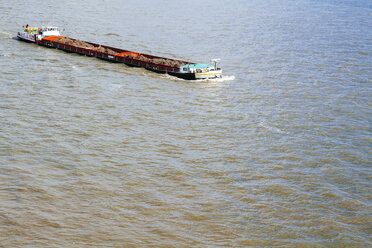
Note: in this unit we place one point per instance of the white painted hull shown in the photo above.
(209, 75)
(26, 36)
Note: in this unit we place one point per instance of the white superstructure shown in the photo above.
(33, 34)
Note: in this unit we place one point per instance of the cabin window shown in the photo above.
(185, 69)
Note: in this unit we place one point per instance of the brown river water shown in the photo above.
(275, 154)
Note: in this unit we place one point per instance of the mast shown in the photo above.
(215, 61)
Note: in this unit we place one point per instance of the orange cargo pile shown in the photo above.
(127, 53)
(53, 38)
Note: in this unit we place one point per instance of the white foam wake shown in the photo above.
(6, 34)
(221, 79)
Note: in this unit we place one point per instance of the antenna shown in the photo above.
(215, 61)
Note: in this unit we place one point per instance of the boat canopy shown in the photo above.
(197, 66)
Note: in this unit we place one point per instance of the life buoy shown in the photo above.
(205, 69)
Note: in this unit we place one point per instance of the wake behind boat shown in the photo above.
(51, 37)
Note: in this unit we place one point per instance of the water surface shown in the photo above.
(278, 154)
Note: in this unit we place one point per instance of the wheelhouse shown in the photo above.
(50, 31)
(196, 68)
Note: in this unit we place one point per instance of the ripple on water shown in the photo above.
(274, 154)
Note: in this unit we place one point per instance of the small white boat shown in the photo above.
(34, 34)
(203, 71)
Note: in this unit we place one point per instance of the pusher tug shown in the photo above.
(51, 37)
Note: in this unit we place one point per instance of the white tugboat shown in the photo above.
(203, 71)
(34, 34)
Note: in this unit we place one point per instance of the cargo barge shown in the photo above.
(51, 37)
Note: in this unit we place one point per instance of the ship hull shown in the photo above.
(26, 37)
